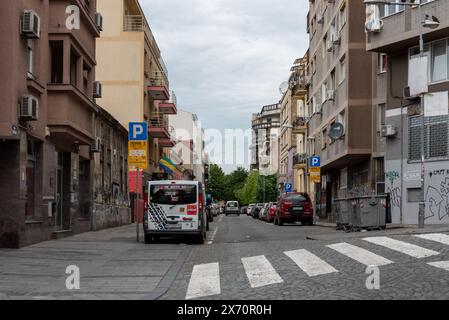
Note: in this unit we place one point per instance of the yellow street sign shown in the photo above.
(137, 154)
(315, 175)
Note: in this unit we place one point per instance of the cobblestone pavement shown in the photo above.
(112, 266)
(406, 273)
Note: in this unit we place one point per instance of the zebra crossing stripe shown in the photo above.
(360, 255)
(402, 247)
(260, 272)
(204, 281)
(440, 264)
(437, 237)
(310, 263)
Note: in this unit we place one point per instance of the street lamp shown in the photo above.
(424, 22)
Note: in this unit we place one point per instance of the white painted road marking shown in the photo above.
(440, 264)
(212, 236)
(437, 237)
(204, 281)
(361, 255)
(403, 247)
(260, 272)
(310, 263)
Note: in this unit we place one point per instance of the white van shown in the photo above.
(175, 209)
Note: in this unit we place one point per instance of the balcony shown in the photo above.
(169, 107)
(70, 116)
(133, 23)
(167, 143)
(300, 161)
(300, 125)
(157, 86)
(158, 127)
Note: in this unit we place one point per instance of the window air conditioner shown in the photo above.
(29, 108)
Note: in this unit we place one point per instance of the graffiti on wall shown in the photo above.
(394, 191)
(437, 195)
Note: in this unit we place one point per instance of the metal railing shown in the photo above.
(158, 120)
(300, 158)
(133, 23)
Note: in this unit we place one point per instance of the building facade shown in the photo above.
(340, 94)
(47, 119)
(397, 109)
(136, 89)
(265, 140)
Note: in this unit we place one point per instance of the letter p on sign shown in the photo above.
(138, 131)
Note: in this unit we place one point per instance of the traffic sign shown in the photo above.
(315, 162)
(137, 154)
(315, 175)
(138, 131)
(288, 187)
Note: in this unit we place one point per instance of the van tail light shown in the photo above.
(200, 203)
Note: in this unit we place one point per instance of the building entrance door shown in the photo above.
(60, 193)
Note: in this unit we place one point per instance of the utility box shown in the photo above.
(343, 213)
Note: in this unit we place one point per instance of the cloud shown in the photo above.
(226, 58)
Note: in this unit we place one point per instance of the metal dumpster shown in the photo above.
(343, 213)
(369, 212)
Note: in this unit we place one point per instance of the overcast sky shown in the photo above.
(227, 58)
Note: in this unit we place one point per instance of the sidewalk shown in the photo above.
(112, 266)
(392, 229)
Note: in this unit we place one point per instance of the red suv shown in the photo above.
(294, 207)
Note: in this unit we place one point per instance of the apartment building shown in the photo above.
(393, 35)
(189, 152)
(265, 139)
(48, 119)
(339, 95)
(136, 88)
(293, 137)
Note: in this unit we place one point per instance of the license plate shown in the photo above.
(298, 208)
(173, 226)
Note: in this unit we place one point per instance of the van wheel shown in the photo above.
(148, 239)
(200, 239)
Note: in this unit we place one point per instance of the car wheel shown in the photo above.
(207, 226)
(310, 223)
(303, 223)
(280, 222)
(275, 221)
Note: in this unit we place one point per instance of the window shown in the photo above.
(333, 85)
(436, 136)
(439, 61)
(342, 16)
(341, 118)
(382, 63)
(30, 60)
(342, 70)
(324, 139)
(414, 195)
(73, 68)
(390, 9)
(324, 92)
(380, 116)
(379, 174)
(56, 48)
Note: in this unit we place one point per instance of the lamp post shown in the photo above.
(422, 23)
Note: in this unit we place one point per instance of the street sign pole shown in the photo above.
(137, 204)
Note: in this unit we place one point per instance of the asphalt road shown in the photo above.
(246, 259)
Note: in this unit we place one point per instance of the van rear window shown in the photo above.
(173, 194)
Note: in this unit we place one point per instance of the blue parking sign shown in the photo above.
(138, 131)
(315, 162)
(288, 187)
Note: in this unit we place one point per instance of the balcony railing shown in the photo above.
(158, 120)
(300, 159)
(134, 23)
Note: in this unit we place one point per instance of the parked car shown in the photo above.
(215, 210)
(272, 212)
(243, 210)
(256, 210)
(175, 209)
(294, 207)
(250, 209)
(232, 207)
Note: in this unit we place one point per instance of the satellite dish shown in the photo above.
(283, 87)
(337, 131)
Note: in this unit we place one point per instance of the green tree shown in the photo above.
(217, 182)
(235, 181)
(249, 192)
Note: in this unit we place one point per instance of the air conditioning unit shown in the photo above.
(320, 18)
(97, 89)
(99, 21)
(388, 131)
(30, 25)
(331, 95)
(336, 37)
(96, 148)
(308, 80)
(408, 96)
(319, 108)
(29, 108)
(374, 25)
